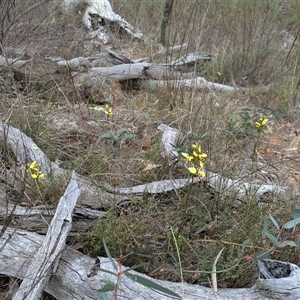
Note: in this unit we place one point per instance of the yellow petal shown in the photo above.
(33, 166)
(41, 176)
(187, 157)
(197, 147)
(201, 173)
(193, 170)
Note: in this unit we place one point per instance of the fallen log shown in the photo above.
(26, 151)
(93, 195)
(73, 279)
(200, 83)
(99, 18)
(47, 256)
(37, 218)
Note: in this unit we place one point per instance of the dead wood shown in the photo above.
(92, 193)
(37, 218)
(47, 257)
(101, 20)
(71, 281)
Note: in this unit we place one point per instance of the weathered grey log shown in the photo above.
(11, 62)
(94, 197)
(97, 14)
(164, 52)
(18, 53)
(131, 71)
(218, 183)
(38, 218)
(71, 281)
(162, 75)
(27, 151)
(170, 138)
(144, 70)
(47, 257)
(200, 83)
(279, 280)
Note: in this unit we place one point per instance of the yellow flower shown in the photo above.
(108, 110)
(197, 172)
(261, 123)
(187, 157)
(33, 167)
(34, 171)
(41, 176)
(202, 160)
(197, 147)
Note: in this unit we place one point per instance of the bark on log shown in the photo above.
(71, 281)
(47, 257)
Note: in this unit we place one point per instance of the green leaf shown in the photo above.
(108, 287)
(121, 131)
(272, 238)
(288, 243)
(242, 248)
(174, 257)
(105, 296)
(296, 213)
(265, 226)
(262, 255)
(107, 135)
(150, 284)
(106, 271)
(109, 256)
(214, 269)
(292, 223)
(136, 267)
(274, 221)
(245, 243)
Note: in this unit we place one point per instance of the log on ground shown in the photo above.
(71, 277)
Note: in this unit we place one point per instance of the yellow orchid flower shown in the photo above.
(32, 167)
(196, 171)
(187, 157)
(108, 111)
(261, 123)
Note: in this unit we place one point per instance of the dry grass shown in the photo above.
(254, 44)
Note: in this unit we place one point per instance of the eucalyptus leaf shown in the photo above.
(242, 248)
(121, 131)
(107, 135)
(105, 296)
(272, 238)
(292, 223)
(136, 267)
(109, 256)
(265, 226)
(296, 213)
(274, 221)
(150, 284)
(106, 271)
(288, 243)
(108, 287)
(261, 255)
